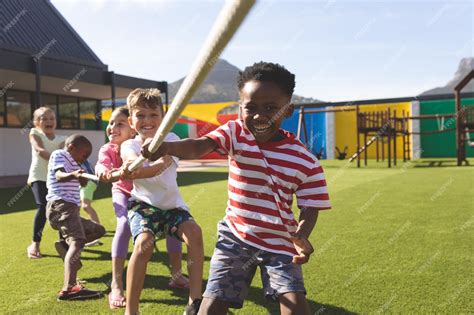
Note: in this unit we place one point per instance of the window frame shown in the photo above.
(78, 99)
(5, 114)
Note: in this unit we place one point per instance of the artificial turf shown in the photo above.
(397, 240)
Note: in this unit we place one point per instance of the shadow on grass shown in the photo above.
(160, 255)
(438, 163)
(200, 177)
(151, 281)
(273, 307)
(255, 295)
(160, 282)
(21, 198)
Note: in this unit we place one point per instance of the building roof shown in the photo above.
(36, 27)
(40, 51)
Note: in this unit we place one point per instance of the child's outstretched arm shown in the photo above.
(308, 218)
(38, 146)
(63, 176)
(104, 167)
(186, 149)
(155, 168)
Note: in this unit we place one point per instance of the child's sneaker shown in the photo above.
(193, 308)
(78, 292)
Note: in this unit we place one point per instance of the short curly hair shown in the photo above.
(267, 71)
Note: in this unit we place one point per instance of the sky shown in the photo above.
(338, 50)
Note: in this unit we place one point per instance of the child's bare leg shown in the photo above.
(213, 307)
(175, 254)
(191, 233)
(294, 303)
(175, 262)
(87, 206)
(71, 263)
(142, 252)
(117, 276)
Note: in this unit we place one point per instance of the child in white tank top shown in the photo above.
(43, 141)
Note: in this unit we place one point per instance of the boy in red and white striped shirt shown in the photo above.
(267, 166)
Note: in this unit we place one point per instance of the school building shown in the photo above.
(44, 62)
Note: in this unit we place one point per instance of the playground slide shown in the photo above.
(355, 155)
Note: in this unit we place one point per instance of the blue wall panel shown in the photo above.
(315, 128)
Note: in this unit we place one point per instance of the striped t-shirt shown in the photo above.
(262, 180)
(68, 190)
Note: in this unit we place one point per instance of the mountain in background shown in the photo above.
(221, 86)
(465, 66)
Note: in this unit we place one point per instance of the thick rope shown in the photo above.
(229, 20)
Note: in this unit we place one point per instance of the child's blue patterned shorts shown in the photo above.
(143, 217)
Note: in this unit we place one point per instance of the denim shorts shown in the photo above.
(143, 217)
(233, 266)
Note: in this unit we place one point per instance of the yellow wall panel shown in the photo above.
(203, 112)
(346, 128)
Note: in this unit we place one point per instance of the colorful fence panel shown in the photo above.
(440, 144)
(346, 128)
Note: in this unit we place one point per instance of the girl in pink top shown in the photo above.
(118, 131)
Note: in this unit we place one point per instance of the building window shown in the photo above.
(68, 117)
(18, 108)
(88, 119)
(50, 101)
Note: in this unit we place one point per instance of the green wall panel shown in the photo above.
(442, 144)
(181, 130)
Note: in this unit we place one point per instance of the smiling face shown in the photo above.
(45, 120)
(145, 120)
(118, 130)
(263, 106)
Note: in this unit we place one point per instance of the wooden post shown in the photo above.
(459, 114)
(394, 137)
(388, 126)
(366, 149)
(357, 134)
(377, 149)
(383, 148)
(461, 150)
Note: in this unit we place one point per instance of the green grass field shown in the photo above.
(396, 241)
